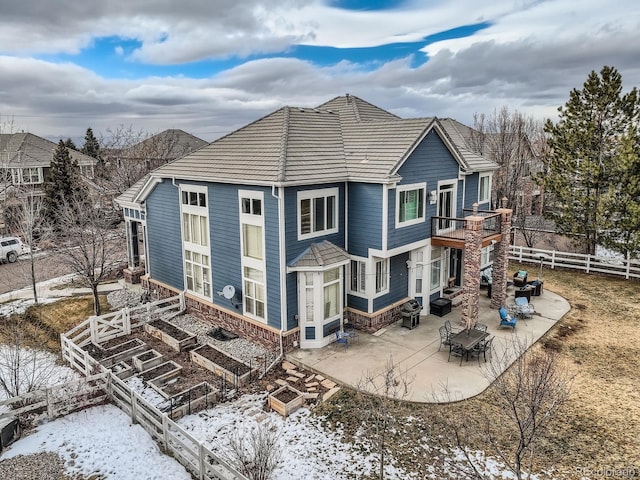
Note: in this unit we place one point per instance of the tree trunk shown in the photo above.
(96, 299)
(33, 279)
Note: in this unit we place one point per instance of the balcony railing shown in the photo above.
(453, 228)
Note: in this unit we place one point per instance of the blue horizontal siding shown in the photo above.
(430, 162)
(398, 282)
(164, 248)
(365, 218)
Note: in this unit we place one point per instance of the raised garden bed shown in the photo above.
(123, 352)
(146, 360)
(175, 337)
(231, 369)
(285, 400)
(122, 370)
(190, 401)
(165, 371)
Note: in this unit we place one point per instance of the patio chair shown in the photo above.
(450, 330)
(520, 278)
(444, 336)
(506, 320)
(342, 339)
(350, 332)
(456, 349)
(523, 309)
(482, 348)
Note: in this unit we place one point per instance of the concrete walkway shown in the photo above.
(417, 351)
(59, 288)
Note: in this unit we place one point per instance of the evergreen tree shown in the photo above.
(586, 157)
(91, 146)
(63, 184)
(70, 145)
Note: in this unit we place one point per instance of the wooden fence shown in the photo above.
(622, 267)
(195, 456)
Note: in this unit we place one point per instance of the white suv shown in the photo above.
(11, 248)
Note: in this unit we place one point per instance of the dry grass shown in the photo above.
(599, 342)
(44, 323)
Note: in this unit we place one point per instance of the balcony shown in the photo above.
(449, 232)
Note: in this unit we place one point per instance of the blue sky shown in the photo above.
(210, 66)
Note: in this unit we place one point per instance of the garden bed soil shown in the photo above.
(225, 361)
(170, 329)
(175, 337)
(164, 370)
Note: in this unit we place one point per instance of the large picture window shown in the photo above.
(253, 257)
(331, 293)
(410, 204)
(195, 240)
(317, 212)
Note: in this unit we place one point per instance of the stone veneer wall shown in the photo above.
(472, 262)
(266, 336)
(373, 322)
(501, 260)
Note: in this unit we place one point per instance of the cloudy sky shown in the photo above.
(211, 66)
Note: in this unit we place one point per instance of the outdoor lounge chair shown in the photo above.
(507, 320)
(522, 308)
(520, 278)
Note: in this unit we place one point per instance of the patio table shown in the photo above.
(468, 339)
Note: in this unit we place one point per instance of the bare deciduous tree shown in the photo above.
(380, 397)
(513, 141)
(257, 453)
(529, 386)
(23, 368)
(88, 244)
(24, 218)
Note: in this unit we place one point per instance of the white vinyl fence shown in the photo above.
(622, 267)
(101, 385)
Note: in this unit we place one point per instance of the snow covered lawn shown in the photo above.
(101, 440)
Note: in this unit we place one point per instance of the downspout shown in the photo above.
(280, 178)
(283, 300)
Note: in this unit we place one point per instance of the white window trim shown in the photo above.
(310, 195)
(257, 220)
(194, 247)
(432, 261)
(358, 293)
(387, 274)
(404, 188)
(490, 177)
(454, 203)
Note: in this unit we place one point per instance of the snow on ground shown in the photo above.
(309, 450)
(101, 440)
(21, 305)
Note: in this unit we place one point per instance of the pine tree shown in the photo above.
(62, 184)
(91, 146)
(70, 145)
(586, 156)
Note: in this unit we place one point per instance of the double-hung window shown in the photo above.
(358, 270)
(484, 188)
(253, 259)
(410, 204)
(195, 239)
(317, 212)
(382, 275)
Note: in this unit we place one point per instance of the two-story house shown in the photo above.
(25, 160)
(306, 217)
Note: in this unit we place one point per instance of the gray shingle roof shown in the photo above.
(168, 144)
(463, 138)
(29, 150)
(320, 254)
(343, 139)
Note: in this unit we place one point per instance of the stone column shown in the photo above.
(472, 261)
(501, 259)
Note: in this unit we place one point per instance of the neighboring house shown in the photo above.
(313, 216)
(25, 160)
(517, 165)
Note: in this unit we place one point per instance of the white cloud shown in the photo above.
(529, 59)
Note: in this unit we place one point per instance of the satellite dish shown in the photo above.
(228, 292)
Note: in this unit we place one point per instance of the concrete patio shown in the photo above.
(417, 351)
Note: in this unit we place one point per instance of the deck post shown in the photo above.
(501, 259)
